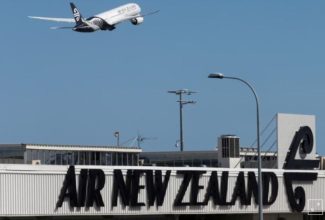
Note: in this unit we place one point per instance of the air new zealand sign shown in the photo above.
(127, 188)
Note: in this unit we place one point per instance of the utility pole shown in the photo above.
(182, 102)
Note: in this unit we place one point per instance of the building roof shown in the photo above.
(210, 154)
(60, 147)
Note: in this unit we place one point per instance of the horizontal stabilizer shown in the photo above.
(68, 20)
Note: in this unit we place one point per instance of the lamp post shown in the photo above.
(180, 93)
(117, 135)
(259, 168)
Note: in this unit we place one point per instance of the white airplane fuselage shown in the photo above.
(108, 19)
(121, 13)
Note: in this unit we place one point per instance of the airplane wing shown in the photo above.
(150, 13)
(68, 20)
(143, 15)
(57, 28)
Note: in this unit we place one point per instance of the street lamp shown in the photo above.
(181, 102)
(117, 135)
(259, 169)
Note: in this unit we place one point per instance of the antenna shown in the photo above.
(136, 141)
(140, 139)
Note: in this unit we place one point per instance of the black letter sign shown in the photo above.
(68, 189)
(122, 187)
(93, 191)
(156, 190)
(187, 176)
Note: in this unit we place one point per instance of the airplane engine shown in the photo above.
(137, 21)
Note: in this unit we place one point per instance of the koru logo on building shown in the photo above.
(76, 14)
(303, 141)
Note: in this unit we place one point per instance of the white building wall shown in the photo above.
(27, 190)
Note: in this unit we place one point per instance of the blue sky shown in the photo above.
(63, 87)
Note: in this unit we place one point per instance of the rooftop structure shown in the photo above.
(68, 154)
(247, 158)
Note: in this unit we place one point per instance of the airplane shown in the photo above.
(104, 21)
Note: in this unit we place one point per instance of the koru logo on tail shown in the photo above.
(76, 14)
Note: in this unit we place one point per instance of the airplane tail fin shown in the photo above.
(76, 14)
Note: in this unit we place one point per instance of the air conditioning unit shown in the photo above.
(36, 162)
(229, 146)
(229, 151)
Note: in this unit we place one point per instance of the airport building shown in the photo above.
(112, 182)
